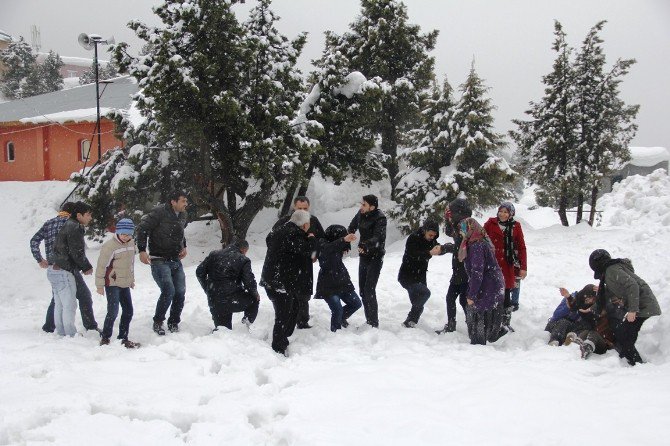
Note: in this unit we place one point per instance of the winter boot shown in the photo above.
(173, 327)
(344, 324)
(245, 320)
(303, 326)
(409, 324)
(587, 347)
(507, 319)
(104, 341)
(570, 338)
(158, 328)
(130, 344)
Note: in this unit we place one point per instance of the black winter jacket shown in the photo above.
(70, 248)
(165, 231)
(458, 275)
(372, 228)
(288, 262)
(333, 275)
(314, 225)
(226, 272)
(415, 260)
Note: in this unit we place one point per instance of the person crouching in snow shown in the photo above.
(334, 283)
(568, 315)
(486, 285)
(114, 277)
(226, 277)
(420, 247)
(598, 338)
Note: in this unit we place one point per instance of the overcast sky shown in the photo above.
(510, 40)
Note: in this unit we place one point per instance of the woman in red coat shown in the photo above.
(507, 238)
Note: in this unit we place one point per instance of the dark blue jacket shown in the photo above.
(333, 277)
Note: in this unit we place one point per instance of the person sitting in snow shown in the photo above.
(114, 277)
(334, 283)
(226, 277)
(569, 316)
(486, 285)
(627, 298)
(420, 247)
(599, 338)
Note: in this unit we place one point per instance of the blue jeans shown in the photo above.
(169, 275)
(418, 296)
(85, 307)
(118, 296)
(338, 313)
(64, 289)
(515, 294)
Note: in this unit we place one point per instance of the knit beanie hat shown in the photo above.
(371, 200)
(125, 226)
(598, 262)
(460, 209)
(509, 206)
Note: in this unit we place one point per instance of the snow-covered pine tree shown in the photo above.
(606, 122)
(548, 141)
(343, 104)
(105, 71)
(382, 43)
(19, 61)
(44, 77)
(218, 99)
(421, 192)
(481, 172)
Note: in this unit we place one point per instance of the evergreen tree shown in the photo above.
(548, 142)
(606, 122)
(105, 71)
(19, 61)
(422, 192)
(381, 43)
(218, 98)
(481, 173)
(44, 77)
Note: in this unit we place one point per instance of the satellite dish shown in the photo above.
(85, 41)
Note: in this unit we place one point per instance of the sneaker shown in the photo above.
(174, 328)
(104, 341)
(304, 326)
(129, 344)
(554, 343)
(246, 322)
(158, 328)
(587, 348)
(409, 324)
(570, 338)
(344, 324)
(373, 324)
(515, 307)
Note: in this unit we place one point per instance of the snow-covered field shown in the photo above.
(358, 386)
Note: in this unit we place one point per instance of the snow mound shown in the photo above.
(639, 201)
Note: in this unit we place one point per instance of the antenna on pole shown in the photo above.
(35, 38)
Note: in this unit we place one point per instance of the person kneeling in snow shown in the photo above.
(627, 298)
(420, 247)
(569, 316)
(598, 338)
(229, 284)
(486, 285)
(114, 277)
(334, 284)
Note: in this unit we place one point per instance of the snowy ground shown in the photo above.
(359, 386)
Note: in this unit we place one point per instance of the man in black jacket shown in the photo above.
(69, 257)
(371, 223)
(421, 246)
(302, 203)
(230, 285)
(164, 227)
(285, 273)
(458, 210)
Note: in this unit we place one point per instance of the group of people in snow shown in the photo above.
(488, 264)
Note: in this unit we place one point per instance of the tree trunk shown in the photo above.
(594, 199)
(580, 207)
(390, 149)
(245, 215)
(226, 225)
(288, 200)
(304, 184)
(563, 205)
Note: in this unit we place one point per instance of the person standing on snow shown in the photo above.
(627, 298)
(510, 248)
(114, 277)
(164, 228)
(420, 247)
(226, 277)
(334, 284)
(302, 203)
(48, 233)
(371, 223)
(458, 210)
(486, 285)
(69, 258)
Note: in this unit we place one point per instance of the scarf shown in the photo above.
(472, 232)
(510, 253)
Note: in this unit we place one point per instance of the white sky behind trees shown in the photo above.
(510, 40)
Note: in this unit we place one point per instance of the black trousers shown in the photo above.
(85, 307)
(598, 341)
(456, 290)
(559, 329)
(303, 310)
(222, 308)
(625, 334)
(368, 276)
(286, 315)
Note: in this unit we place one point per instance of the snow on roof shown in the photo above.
(70, 60)
(648, 156)
(70, 103)
(5, 37)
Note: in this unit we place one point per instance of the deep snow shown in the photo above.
(358, 386)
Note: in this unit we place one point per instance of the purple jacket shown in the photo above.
(486, 285)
